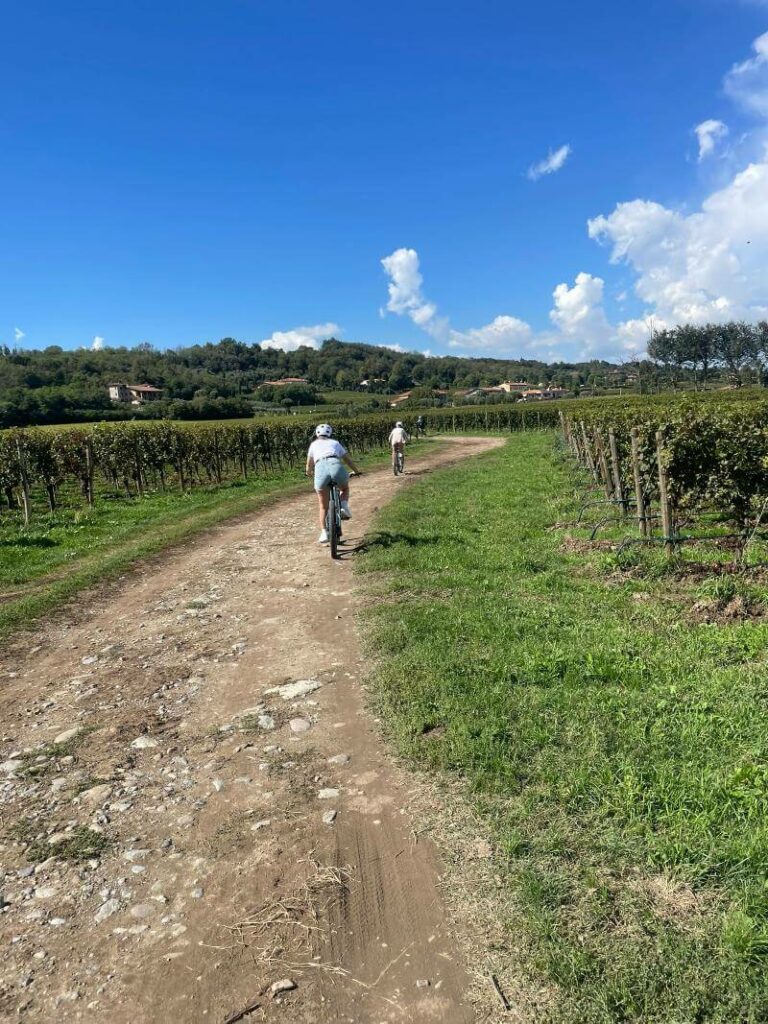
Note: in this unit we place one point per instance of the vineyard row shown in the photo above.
(667, 463)
(139, 457)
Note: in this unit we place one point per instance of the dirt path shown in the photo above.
(250, 834)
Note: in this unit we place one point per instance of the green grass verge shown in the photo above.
(618, 749)
(63, 552)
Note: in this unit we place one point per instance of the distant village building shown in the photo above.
(284, 381)
(135, 394)
(543, 394)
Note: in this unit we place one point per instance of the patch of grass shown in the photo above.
(44, 760)
(82, 843)
(617, 750)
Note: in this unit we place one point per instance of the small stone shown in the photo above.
(135, 855)
(141, 910)
(284, 985)
(26, 872)
(91, 659)
(106, 910)
(328, 794)
(329, 817)
(261, 824)
(67, 735)
(292, 691)
(46, 892)
(218, 785)
(196, 894)
(11, 766)
(57, 922)
(299, 725)
(422, 983)
(138, 869)
(266, 722)
(144, 743)
(339, 759)
(96, 795)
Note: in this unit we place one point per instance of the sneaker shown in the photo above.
(345, 513)
(323, 537)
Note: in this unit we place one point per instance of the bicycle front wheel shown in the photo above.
(332, 524)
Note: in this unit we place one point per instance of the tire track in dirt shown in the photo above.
(150, 721)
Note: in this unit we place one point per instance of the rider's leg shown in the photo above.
(323, 497)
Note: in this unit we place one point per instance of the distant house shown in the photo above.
(135, 394)
(285, 381)
(510, 386)
(543, 394)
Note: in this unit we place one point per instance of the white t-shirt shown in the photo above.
(326, 448)
(398, 436)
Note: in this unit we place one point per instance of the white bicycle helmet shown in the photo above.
(399, 423)
(324, 430)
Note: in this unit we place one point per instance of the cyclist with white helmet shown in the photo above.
(398, 439)
(328, 458)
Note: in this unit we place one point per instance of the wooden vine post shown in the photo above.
(642, 507)
(605, 473)
(618, 487)
(666, 510)
(24, 474)
(588, 452)
(89, 472)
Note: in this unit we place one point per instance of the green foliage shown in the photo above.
(715, 449)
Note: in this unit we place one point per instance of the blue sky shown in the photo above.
(179, 172)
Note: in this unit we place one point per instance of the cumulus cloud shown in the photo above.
(579, 312)
(311, 337)
(747, 83)
(97, 344)
(405, 292)
(18, 334)
(709, 133)
(707, 265)
(553, 162)
(505, 334)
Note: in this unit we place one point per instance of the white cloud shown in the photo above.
(747, 83)
(709, 133)
(311, 337)
(97, 344)
(506, 335)
(579, 312)
(18, 334)
(405, 292)
(707, 265)
(550, 164)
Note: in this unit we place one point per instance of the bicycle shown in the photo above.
(333, 520)
(398, 466)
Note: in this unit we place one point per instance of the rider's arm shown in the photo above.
(309, 466)
(346, 458)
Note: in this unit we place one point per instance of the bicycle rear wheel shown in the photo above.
(332, 523)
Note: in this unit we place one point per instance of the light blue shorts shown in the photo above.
(329, 471)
